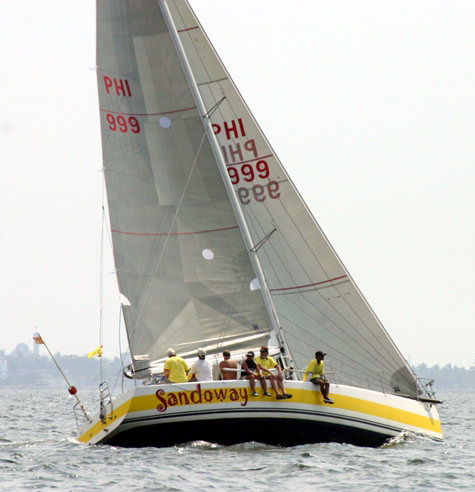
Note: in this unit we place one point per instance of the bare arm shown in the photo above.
(263, 369)
(245, 367)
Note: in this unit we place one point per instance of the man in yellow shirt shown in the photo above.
(317, 376)
(176, 369)
(265, 364)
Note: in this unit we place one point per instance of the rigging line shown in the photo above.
(279, 165)
(121, 370)
(243, 103)
(356, 367)
(347, 363)
(105, 216)
(332, 322)
(322, 313)
(259, 131)
(198, 54)
(214, 108)
(355, 344)
(256, 248)
(101, 278)
(159, 260)
(362, 351)
(274, 247)
(200, 98)
(288, 246)
(211, 80)
(391, 355)
(215, 81)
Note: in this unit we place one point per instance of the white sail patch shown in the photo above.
(207, 254)
(255, 284)
(165, 122)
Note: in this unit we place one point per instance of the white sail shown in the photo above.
(180, 257)
(181, 261)
(318, 304)
(215, 248)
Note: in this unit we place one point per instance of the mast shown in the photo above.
(227, 183)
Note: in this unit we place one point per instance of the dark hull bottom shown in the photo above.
(279, 432)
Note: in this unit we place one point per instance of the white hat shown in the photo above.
(201, 352)
(171, 352)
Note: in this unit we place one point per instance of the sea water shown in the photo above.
(38, 451)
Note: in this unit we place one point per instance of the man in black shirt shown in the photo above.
(251, 371)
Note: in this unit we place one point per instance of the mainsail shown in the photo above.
(170, 211)
(180, 258)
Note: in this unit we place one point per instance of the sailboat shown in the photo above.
(214, 248)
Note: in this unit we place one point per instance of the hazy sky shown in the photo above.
(370, 106)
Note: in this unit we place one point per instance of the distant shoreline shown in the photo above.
(24, 369)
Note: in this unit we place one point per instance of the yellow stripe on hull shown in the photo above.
(351, 405)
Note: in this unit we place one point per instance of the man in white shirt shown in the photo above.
(201, 370)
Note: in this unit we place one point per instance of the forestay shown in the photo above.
(180, 258)
(318, 304)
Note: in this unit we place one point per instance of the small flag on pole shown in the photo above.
(97, 352)
(37, 338)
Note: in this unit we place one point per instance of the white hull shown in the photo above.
(225, 412)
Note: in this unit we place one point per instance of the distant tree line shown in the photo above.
(448, 376)
(24, 369)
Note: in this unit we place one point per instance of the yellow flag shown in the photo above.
(97, 352)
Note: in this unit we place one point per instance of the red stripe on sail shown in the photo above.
(173, 233)
(148, 114)
(188, 29)
(309, 285)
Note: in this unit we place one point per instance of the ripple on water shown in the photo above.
(40, 452)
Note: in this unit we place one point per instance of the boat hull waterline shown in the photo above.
(225, 412)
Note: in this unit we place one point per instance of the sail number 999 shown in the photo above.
(123, 124)
(259, 192)
(247, 172)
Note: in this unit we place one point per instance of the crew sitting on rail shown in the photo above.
(315, 369)
(268, 366)
(251, 372)
(227, 368)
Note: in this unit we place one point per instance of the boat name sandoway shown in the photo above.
(199, 396)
